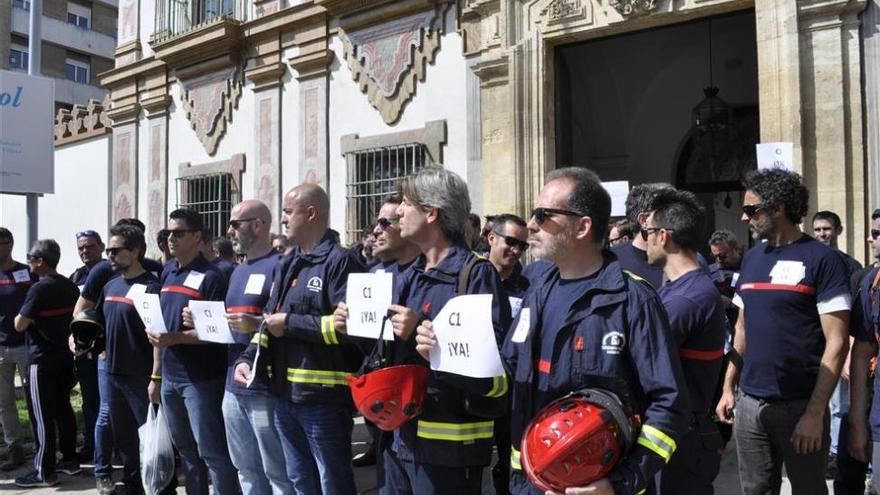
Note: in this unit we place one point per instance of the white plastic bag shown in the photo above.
(157, 453)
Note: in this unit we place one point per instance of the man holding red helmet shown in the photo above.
(589, 327)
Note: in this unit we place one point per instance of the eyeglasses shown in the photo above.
(875, 233)
(650, 230)
(235, 224)
(114, 251)
(542, 214)
(719, 257)
(32, 257)
(513, 242)
(86, 233)
(384, 223)
(751, 210)
(178, 233)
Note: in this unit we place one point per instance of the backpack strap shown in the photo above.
(465, 274)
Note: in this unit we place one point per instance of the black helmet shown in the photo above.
(87, 328)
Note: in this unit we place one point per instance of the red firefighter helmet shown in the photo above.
(389, 397)
(576, 440)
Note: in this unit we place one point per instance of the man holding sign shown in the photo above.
(192, 372)
(309, 359)
(588, 324)
(249, 411)
(128, 358)
(445, 448)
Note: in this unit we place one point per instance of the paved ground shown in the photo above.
(726, 484)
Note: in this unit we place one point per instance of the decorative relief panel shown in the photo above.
(157, 185)
(267, 183)
(208, 102)
(561, 10)
(388, 60)
(631, 8)
(124, 173)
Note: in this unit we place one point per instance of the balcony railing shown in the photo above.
(178, 17)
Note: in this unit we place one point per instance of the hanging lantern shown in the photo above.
(712, 114)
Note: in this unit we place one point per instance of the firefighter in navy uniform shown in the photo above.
(589, 324)
(309, 359)
(444, 449)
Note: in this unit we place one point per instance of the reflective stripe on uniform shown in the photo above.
(515, 459)
(327, 330)
(260, 338)
(456, 432)
(499, 386)
(320, 377)
(656, 441)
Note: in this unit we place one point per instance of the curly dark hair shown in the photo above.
(776, 186)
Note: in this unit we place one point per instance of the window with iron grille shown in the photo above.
(373, 174)
(212, 195)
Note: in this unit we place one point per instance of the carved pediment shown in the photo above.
(82, 122)
(209, 101)
(388, 60)
(632, 8)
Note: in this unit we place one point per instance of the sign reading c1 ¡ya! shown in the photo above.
(27, 150)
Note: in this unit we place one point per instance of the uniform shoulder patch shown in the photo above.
(635, 277)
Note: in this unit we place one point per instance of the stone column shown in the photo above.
(871, 41)
(831, 114)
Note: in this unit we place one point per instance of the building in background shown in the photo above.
(212, 101)
(79, 41)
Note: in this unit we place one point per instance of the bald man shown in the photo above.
(248, 412)
(308, 358)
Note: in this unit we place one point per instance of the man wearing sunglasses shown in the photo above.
(697, 323)
(127, 362)
(191, 374)
(45, 320)
(309, 358)
(249, 411)
(790, 341)
(15, 280)
(586, 323)
(633, 256)
(507, 244)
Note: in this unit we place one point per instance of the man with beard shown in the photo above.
(790, 341)
(249, 411)
(587, 323)
(124, 372)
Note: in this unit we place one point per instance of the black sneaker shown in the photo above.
(105, 485)
(70, 468)
(34, 480)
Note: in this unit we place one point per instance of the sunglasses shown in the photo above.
(645, 232)
(32, 257)
(116, 250)
(235, 224)
(875, 233)
(542, 214)
(751, 210)
(86, 233)
(513, 242)
(384, 223)
(178, 233)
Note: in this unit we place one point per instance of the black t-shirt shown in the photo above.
(49, 303)
(14, 285)
(128, 350)
(635, 260)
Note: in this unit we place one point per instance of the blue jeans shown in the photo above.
(317, 446)
(254, 445)
(87, 374)
(839, 405)
(196, 423)
(103, 430)
(410, 478)
(124, 401)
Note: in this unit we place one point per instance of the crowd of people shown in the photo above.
(621, 316)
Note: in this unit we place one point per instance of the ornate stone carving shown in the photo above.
(561, 10)
(631, 8)
(208, 102)
(388, 60)
(82, 122)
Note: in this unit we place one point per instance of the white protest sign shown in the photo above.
(148, 308)
(368, 296)
(775, 155)
(618, 190)
(209, 318)
(466, 339)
